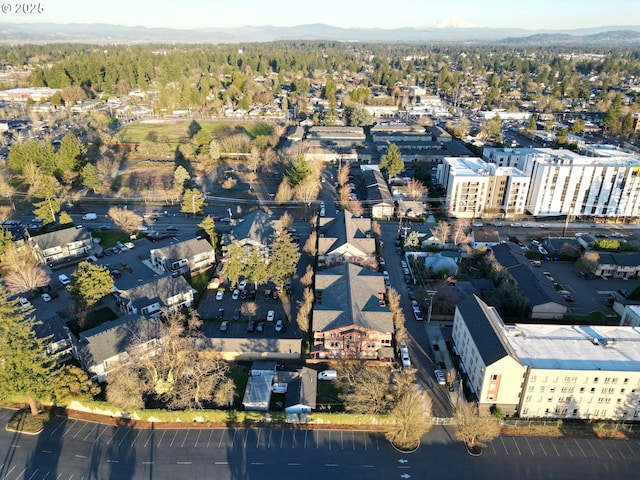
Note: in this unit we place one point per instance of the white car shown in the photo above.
(46, 297)
(64, 280)
(220, 294)
(271, 315)
(404, 355)
(440, 377)
(129, 245)
(242, 285)
(24, 303)
(235, 295)
(279, 325)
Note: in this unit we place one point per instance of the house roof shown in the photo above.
(183, 250)
(61, 237)
(534, 286)
(350, 296)
(628, 259)
(112, 338)
(157, 289)
(347, 235)
(302, 389)
(50, 327)
(485, 236)
(377, 189)
(483, 323)
(257, 226)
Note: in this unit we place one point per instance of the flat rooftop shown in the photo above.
(577, 347)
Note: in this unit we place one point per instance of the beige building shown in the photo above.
(558, 371)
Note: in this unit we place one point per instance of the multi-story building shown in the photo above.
(602, 182)
(559, 371)
(476, 188)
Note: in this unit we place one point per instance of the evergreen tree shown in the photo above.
(90, 178)
(209, 227)
(300, 169)
(192, 201)
(283, 259)
(392, 161)
(25, 370)
(90, 283)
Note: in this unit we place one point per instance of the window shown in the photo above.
(581, 389)
(527, 398)
(607, 379)
(595, 380)
(541, 389)
(494, 377)
(625, 381)
(530, 389)
(593, 390)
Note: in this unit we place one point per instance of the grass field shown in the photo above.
(176, 133)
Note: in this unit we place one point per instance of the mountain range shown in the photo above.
(16, 33)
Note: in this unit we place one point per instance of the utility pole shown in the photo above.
(431, 293)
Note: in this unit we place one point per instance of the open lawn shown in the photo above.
(109, 239)
(176, 133)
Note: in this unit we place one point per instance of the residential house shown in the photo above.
(345, 237)
(156, 294)
(410, 208)
(555, 245)
(379, 197)
(102, 349)
(350, 318)
(545, 302)
(481, 238)
(302, 390)
(257, 394)
(618, 265)
(548, 371)
(189, 256)
(55, 334)
(256, 229)
(63, 245)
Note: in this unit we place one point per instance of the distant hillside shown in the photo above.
(14, 33)
(613, 37)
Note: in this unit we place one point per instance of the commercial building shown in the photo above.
(558, 371)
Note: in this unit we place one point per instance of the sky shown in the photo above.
(527, 14)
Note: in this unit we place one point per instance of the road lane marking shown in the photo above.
(330, 464)
(80, 456)
(306, 432)
(62, 422)
(366, 466)
(341, 440)
(147, 463)
(183, 463)
(221, 463)
(257, 463)
(112, 461)
(294, 464)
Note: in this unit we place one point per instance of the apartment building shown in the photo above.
(476, 188)
(556, 371)
(602, 182)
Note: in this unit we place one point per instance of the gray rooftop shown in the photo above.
(346, 230)
(302, 389)
(112, 338)
(61, 237)
(183, 250)
(350, 296)
(257, 226)
(155, 290)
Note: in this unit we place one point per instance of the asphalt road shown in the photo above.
(73, 450)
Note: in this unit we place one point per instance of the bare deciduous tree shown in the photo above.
(474, 428)
(307, 190)
(304, 311)
(460, 233)
(366, 389)
(410, 414)
(127, 220)
(307, 279)
(375, 229)
(441, 231)
(249, 310)
(286, 220)
(26, 279)
(355, 207)
(415, 189)
(311, 245)
(343, 195)
(343, 175)
(589, 261)
(285, 192)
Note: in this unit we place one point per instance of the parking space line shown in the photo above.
(79, 430)
(174, 438)
(504, 446)
(576, 442)
(258, 437)
(112, 436)
(185, 439)
(529, 445)
(594, 450)
(605, 449)
(246, 436)
(133, 442)
(329, 439)
(543, 450)
(516, 444)
(306, 433)
(233, 439)
(126, 433)
(493, 447)
(62, 422)
(221, 437)
(100, 434)
(68, 430)
(34, 474)
(161, 437)
(148, 439)
(198, 437)
(317, 438)
(630, 449)
(269, 441)
(6, 413)
(209, 439)
(353, 440)
(341, 440)
(293, 439)
(87, 435)
(364, 437)
(282, 438)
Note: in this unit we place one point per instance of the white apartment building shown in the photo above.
(559, 371)
(603, 183)
(476, 188)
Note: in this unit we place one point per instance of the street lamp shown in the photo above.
(431, 293)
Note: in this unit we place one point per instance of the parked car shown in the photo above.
(220, 294)
(224, 326)
(251, 326)
(251, 295)
(279, 325)
(171, 228)
(274, 294)
(24, 303)
(105, 228)
(64, 280)
(46, 297)
(404, 355)
(403, 264)
(236, 314)
(271, 315)
(440, 377)
(129, 245)
(260, 327)
(115, 273)
(242, 285)
(235, 295)
(220, 314)
(328, 375)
